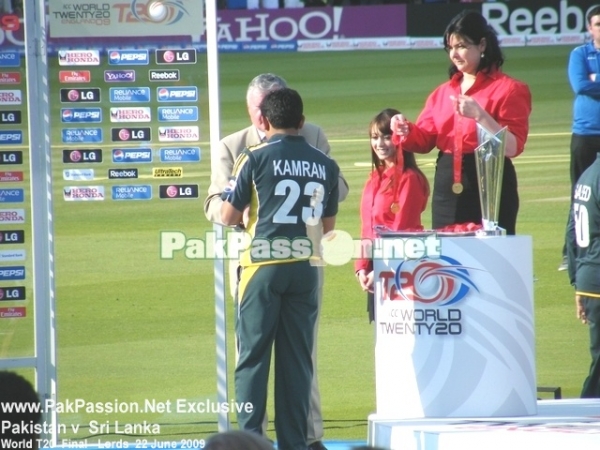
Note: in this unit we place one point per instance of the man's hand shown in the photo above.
(580, 310)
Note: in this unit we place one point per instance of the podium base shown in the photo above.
(559, 424)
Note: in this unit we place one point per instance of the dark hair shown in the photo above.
(17, 390)
(238, 440)
(382, 122)
(594, 11)
(283, 108)
(472, 26)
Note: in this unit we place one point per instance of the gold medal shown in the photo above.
(457, 188)
(394, 208)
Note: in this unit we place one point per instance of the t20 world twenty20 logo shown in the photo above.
(158, 11)
(443, 281)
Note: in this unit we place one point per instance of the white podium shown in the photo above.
(454, 327)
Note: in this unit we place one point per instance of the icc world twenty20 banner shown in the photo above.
(123, 18)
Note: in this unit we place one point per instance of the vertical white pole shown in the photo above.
(41, 206)
(219, 266)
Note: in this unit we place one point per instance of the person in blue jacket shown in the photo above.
(584, 77)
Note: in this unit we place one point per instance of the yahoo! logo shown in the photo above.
(443, 281)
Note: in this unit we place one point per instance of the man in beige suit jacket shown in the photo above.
(222, 167)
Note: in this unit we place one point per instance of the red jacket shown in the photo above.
(397, 206)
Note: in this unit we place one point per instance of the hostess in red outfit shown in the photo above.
(394, 198)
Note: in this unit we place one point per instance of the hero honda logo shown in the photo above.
(128, 57)
(79, 57)
(442, 282)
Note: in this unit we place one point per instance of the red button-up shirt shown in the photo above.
(507, 100)
(397, 206)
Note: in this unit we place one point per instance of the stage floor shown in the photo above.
(572, 424)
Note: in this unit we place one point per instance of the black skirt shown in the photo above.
(449, 208)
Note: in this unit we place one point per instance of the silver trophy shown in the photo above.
(489, 161)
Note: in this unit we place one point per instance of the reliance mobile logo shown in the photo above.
(132, 192)
(79, 135)
(166, 12)
(442, 282)
(10, 59)
(180, 154)
(74, 76)
(179, 93)
(81, 115)
(133, 95)
(79, 57)
(12, 195)
(128, 57)
(141, 155)
(177, 113)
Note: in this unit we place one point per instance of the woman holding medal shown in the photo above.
(478, 92)
(394, 195)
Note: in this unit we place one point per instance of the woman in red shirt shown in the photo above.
(394, 195)
(477, 92)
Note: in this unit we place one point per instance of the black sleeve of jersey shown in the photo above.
(571, 246)
(332, 202)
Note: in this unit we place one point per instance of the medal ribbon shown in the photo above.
(457, 155)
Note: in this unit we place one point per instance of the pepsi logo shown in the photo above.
(114, 56)
(67, 115)
(118, 155)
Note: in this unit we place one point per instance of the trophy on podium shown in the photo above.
(489, 162)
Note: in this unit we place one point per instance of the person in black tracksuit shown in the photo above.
(286, 185)
(583, 252)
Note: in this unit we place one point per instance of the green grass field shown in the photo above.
(132, 326)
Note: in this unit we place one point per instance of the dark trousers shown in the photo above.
(449, 208)
(591, 386)
(277, 305)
